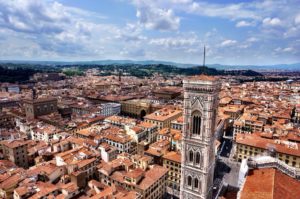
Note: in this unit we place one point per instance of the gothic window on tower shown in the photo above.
(196, 117)
(196, 183)
(198, 158)
(189, 181)
(191, 156)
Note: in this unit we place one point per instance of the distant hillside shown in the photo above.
(167, 70)
(279, 67)
(16, 74)
(21, 72)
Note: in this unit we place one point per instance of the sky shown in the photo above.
(233, 31)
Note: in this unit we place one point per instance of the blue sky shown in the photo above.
(235, 32)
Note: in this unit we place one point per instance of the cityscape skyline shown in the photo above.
(150, 99)
(235, 32)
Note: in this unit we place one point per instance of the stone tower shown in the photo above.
(198, 149)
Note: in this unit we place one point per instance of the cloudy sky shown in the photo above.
(235, 32)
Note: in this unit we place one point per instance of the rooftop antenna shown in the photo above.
(204, 56)
(203, 72)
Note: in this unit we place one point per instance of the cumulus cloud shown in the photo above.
(231, 11)
(175, 42)
(284, 50)
(49, 29)
(244, 24)
(53, 30)
(153, 17)
(32, 16)
(297, 19)
(228, 42)
(252, 39)
(131, 32)
(271, 21)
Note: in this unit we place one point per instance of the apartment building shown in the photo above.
(121, 172)
(163, 117)
(109, 109)
(15, 151)
(249, 145)
(177, 124)
(39, 107)
(172, 161)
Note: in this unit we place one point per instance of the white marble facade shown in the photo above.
(198, 159)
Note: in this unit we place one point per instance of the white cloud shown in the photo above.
(228, 42)
(51, 28)
(176, 42)
(297, 19)
(46, 29)
(244, 24)
(156, 18)
(131, 32)
(32, 16)
(252, 39)
(284, 50)
(271, 21)
(288, 49)
(231, 11)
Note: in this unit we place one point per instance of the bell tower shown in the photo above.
(198, 149)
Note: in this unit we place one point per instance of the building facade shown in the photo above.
(198, 157)
(15, 151)
(172, 161)
(163, 117)
(109, 109)
(251, 145)
(39, 107)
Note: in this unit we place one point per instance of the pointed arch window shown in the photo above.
(191, 156)
(196, 183)
(189, 181)
(196, 122)
(198, 158)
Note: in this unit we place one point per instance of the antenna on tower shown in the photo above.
(204, 56)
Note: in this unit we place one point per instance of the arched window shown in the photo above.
(191, 156)
(197, 158)
(196, 183)
(196, 122)
(189, 181)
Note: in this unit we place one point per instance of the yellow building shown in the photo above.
(249, 145)
(163, 117)
(138, 108)
(172, 161)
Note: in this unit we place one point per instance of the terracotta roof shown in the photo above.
(70, 187)
(13, 143)
(255, 140)
(203, 78)
(269, 184)
(173, 156)
(11, 181)
(146, 125)
(152, 176)
(163, 114)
